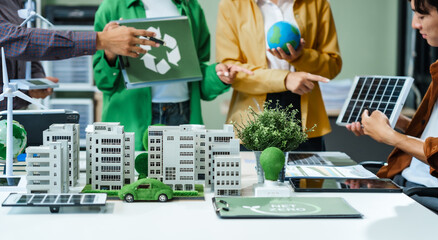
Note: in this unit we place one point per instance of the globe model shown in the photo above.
(19, 136)
(282, 33)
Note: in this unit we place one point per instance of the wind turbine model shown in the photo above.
(10, 90)
(29, 14)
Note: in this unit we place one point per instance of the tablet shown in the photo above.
(344, 185)
(34, 83)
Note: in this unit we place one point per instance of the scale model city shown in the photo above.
(178, 157)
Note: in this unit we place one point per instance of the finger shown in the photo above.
(131, 54)
(144, 33)
(53, 79)
(283, 55)
(365, 114)
(309, 84)
(291, 49)
(142, 41)
(275, 53)
(317, 78)
(234, 69)
(138, 49)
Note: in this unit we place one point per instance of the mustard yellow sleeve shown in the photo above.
(228, 51)
(325, 58)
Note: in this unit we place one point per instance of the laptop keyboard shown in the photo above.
(306, 159)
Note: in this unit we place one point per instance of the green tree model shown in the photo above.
(273, 127)
(141, 165)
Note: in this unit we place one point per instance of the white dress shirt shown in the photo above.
(418, 171)
(273, 13)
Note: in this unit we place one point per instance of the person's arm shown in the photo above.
(31, 44)
(324, 57)
(377, 127)
(107, 74)
(228, 51)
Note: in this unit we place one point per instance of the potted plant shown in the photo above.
(272, 127)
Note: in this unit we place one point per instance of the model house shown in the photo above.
(69, 133)
(181, 155)
(110, 156)
(47, 168)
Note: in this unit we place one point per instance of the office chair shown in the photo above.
(426, 196)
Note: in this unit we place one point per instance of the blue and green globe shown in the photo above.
(19, 135)
(282, 33)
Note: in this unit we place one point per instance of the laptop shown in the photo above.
(318, 158)
(36, 121)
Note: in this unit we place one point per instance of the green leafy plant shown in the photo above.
(273, 127)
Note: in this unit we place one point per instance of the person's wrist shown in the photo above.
(99, 40)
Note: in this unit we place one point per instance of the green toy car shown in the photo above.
(146, 189)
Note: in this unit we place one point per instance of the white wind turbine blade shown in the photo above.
(23, 13)
(45, 20)
(29, 99)
(4, 70)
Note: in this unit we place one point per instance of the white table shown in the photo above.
(386, 216)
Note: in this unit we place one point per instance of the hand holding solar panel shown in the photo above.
(384, 93)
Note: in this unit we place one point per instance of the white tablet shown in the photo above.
(34, 83)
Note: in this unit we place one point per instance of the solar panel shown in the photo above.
(384, 93)
(54, 201)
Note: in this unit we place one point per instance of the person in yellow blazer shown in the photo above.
(241, 39)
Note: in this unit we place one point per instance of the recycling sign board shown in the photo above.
(174, 61)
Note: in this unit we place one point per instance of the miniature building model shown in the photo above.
(110, 156)
(70, 133)
(47, 168)
(179, 155)
(227, 175)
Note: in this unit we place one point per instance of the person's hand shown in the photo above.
(301, 82)
(294, 54)
(122, 40)
(110, 56)
(227, 73)
(377, 126)
(43, 93)
(355, 128)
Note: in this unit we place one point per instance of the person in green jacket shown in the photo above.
(169, 104)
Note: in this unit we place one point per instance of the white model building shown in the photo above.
(179, 155)
(227, 180)
(110, 156)
(70, 133)
(47, 168)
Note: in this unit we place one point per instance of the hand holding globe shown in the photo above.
(284, 41)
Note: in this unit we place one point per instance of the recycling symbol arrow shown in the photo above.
(173, 55)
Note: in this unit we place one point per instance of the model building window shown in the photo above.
(152, 171)
(189, 187)
(158, 140)
(158, 156)
(170, 173)
(158, 172)
(170, 138)
(157, 164)
(155, 133)
(158, 149)
(152, 140)
(152, 148)
(152, 156)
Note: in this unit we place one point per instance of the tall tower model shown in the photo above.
(69, 133)
(110, 156)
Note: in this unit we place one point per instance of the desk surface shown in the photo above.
(386, 216)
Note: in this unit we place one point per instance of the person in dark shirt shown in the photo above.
(23, 44)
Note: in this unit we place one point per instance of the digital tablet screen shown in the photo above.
(9, 181)
(344, 185)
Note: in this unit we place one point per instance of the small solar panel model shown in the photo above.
(55, 201)
(384, 93)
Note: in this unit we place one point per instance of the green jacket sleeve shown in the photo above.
(211, 86)
(106, 77)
